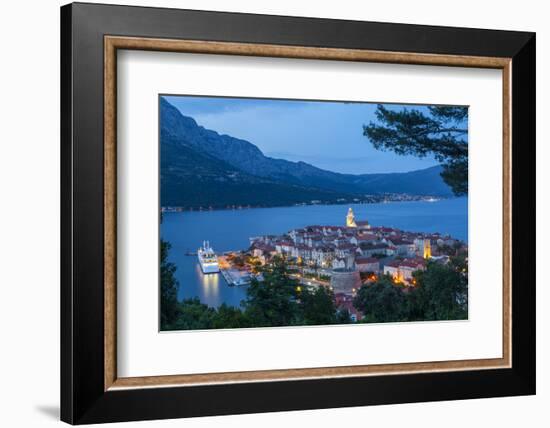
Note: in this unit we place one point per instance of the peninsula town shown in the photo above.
(343, 258)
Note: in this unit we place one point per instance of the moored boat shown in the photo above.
(208, 259)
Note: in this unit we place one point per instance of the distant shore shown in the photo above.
(367, 199)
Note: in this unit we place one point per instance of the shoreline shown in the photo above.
(427, 199)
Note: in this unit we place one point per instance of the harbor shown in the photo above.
(340, 257)
(230, 231)
(210, 264)
(234, 277)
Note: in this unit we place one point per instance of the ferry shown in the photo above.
(208, 259)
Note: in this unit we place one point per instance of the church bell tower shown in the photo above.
(350, 219)
(427, 249)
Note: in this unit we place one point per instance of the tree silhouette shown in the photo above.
(439, 131)
(169, 286)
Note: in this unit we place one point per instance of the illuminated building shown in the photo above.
(350, 219)
(427, 249)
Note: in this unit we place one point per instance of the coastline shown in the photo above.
(372, 200)
(230, 230)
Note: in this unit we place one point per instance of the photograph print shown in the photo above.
(282, 212)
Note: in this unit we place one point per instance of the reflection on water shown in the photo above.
(210, 284)
(211, 289)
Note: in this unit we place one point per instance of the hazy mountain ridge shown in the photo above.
(193, 179)
(193, 156)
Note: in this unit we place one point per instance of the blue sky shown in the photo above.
(325, 134)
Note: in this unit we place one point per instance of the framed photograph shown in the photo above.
(266, 213)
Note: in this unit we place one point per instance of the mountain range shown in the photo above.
(201, 168)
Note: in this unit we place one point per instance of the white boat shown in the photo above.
(208, 259)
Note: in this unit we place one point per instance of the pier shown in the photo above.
(235, 277)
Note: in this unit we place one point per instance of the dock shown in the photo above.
(235, 277)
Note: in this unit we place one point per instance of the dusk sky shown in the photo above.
(328, 135)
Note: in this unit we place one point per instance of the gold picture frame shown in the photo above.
(114, 43)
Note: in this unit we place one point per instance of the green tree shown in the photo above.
(343, 317)
(441, 292)
(317, 306)
(439, 131)
(229, 317)
(272, 302)
(460, 264)
(169, 286)
(381, 301)
(254, 263)
(193, 315)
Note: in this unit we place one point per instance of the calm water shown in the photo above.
(230, 229)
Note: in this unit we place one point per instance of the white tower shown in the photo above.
(350, 219)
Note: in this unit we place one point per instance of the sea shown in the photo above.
(230, 230)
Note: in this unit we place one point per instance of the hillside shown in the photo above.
(192, 179)
(200, 167)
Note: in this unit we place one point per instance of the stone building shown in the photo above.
(345, 280)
